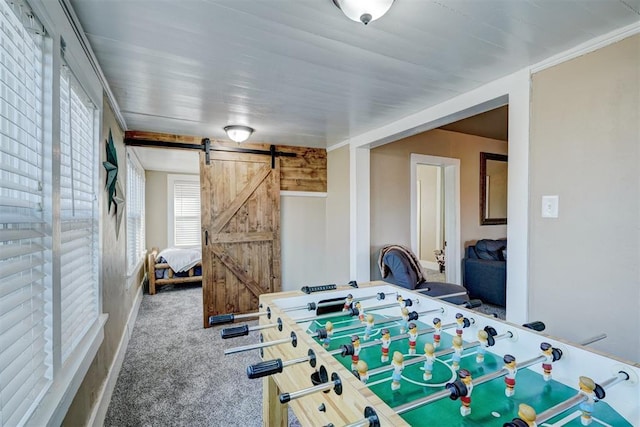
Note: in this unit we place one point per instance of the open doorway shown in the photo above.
(430, 216)
(435, 213)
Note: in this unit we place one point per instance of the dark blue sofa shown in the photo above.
(485, 271)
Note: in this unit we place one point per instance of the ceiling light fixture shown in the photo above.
(238, 133)
(363, 11)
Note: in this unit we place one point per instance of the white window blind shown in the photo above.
(78, 214)
(186, 210)
(135, 213)
(25, 296)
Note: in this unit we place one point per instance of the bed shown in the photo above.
(174, 266)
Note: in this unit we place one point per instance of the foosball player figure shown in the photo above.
(361, 315)
(429, 358)
(369, 326)
(401, 301)
(462, 388)
(457, 352)
(483, 339)
(398, 366)
(348, 302)
(510, 378)
(328, 329)
(363, 371)
(386, 342)
(355, 357)
(437, 329)
(551, 355)
(461, 323)
(526, 417)
(413, 337)
(404, 323)
(587, 388)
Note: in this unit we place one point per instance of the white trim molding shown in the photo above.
(286, 193)
(588, 46)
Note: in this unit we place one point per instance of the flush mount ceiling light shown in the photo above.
(363, 11)
(238, 133)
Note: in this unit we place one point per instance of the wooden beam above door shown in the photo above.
(305, 172)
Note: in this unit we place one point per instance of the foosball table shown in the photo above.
(378, 355)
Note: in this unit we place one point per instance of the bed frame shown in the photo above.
(172, 280)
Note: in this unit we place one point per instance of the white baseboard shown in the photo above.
(101, 406)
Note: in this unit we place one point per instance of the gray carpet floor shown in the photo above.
(175, 372)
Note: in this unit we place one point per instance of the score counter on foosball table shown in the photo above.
(380, 355)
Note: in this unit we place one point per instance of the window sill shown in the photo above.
(57, 400)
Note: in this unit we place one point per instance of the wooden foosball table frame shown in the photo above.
(328, 408)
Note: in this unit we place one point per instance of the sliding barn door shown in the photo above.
(240, 231)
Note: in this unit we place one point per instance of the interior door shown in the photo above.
(240, 196)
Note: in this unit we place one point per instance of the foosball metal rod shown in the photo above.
(444, 352)
(335, 384)
(455, 294)
(293, 339)
(399, 337)
(275, 366)
(240, 331)
(312, 305)
(446, 393)
(370, 419)
(412, 316)
(354, 311)
(579, 398)
(231, 317)
(593, 339)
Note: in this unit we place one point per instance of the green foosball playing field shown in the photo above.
(489, 405)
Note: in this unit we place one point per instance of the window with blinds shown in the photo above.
(135, 213)
(78, 213)
(186, 212)
(25, 255)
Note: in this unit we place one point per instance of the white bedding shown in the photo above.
(181, 259)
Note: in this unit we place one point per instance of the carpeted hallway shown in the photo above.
(175, 373)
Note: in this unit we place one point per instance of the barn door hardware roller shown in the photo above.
(206, 144)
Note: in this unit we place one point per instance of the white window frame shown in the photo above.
(64, 374)
(136, 187)
(171, 181)
(79, 214)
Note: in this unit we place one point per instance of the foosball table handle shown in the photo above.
(220, 319)
(536, 325)
(263, 369)
(238, 331)
(473, 303)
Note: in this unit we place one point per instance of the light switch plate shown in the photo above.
(550, 206)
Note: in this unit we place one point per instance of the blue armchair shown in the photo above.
(485, 271)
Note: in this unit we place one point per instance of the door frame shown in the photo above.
(451, 167)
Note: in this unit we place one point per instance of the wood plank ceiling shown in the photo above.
(301, 73)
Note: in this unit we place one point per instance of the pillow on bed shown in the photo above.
(181, 259)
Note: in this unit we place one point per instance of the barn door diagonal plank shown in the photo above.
(233, 265)
(225, 217)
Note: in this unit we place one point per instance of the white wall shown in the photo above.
(585, 142)
(337, 216)
(303, 241)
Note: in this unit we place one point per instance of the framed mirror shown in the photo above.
(493, 189)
